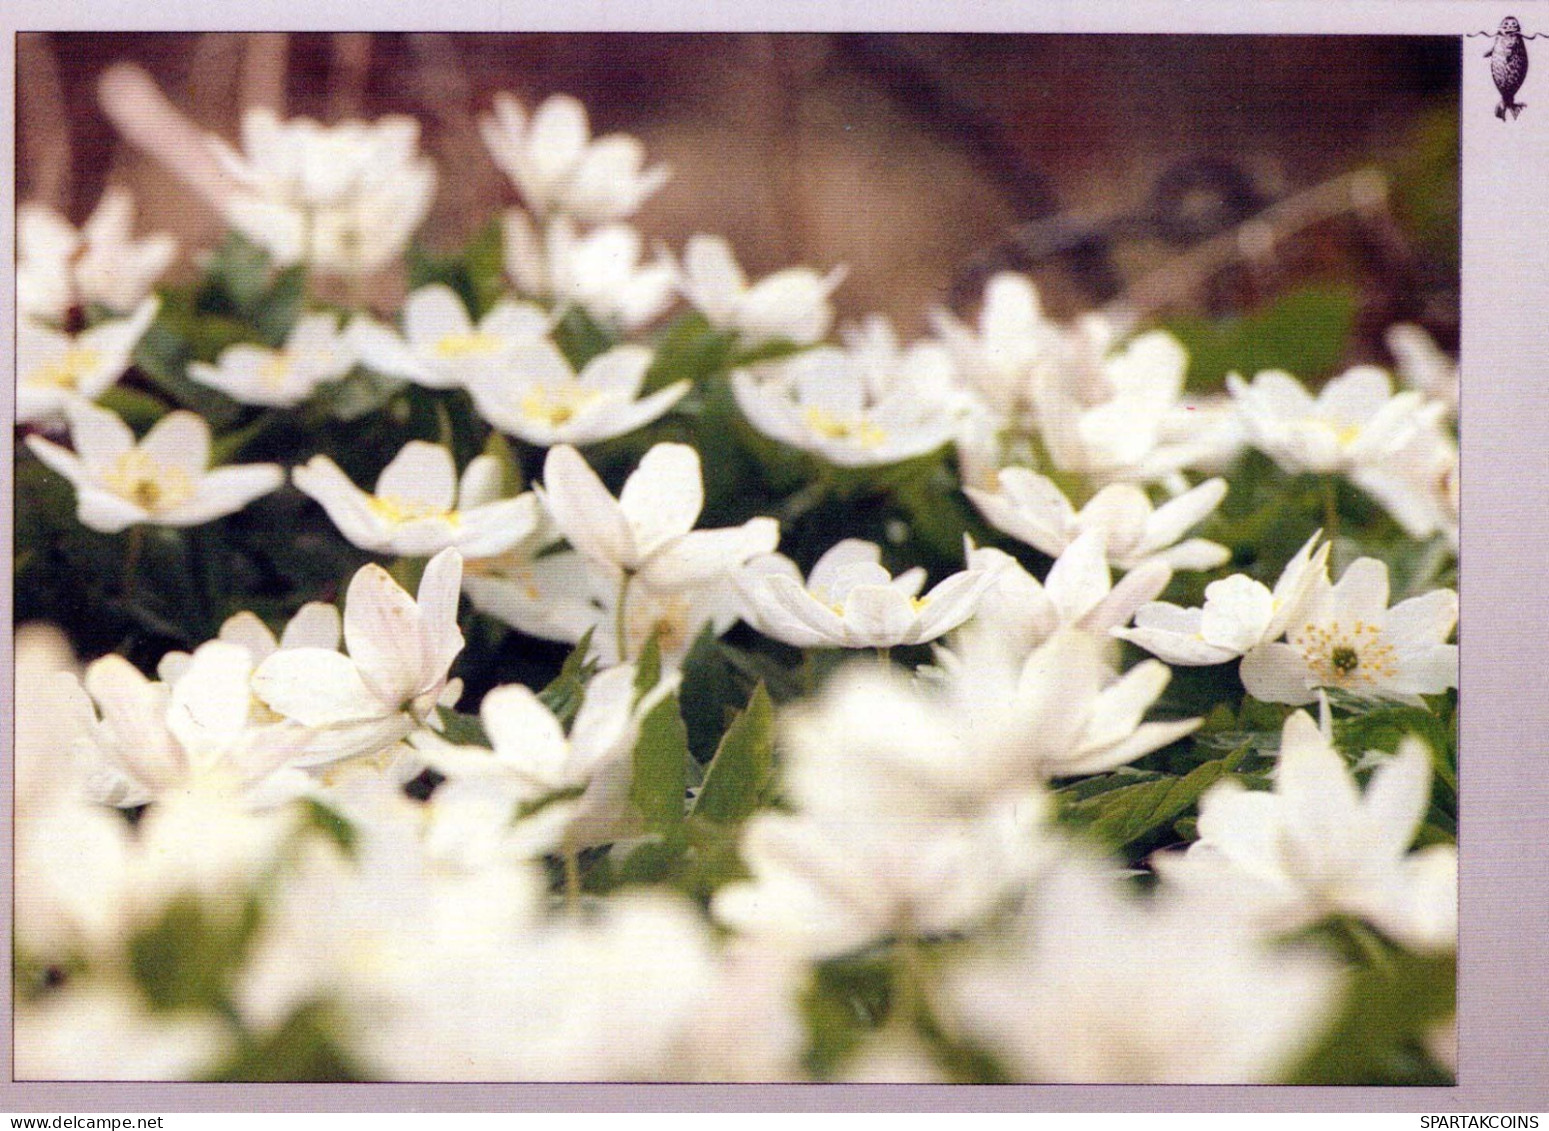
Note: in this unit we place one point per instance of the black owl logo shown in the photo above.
(1508, 65)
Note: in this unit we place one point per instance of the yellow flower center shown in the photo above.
(272, 373)
(556, 405)
(397, 511)
(151, 486)
(66, 372)
(476, 344)
(1341, 657)
(667, 618)
(857, 429)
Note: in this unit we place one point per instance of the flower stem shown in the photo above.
(908, 984)
(572, 879)
(621, 618)
(884, 658)
(132, 559)
(1367, 943)
(1330, 508)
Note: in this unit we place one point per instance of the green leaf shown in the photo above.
(499, 449)
(304, 1048)
(661, 767)
(461, 729)
(564, 694)
(331, 824)
(690, 350)
(138, 410)
(845, 1003)
(1304, 332)
(743, 765)
(1378, 1037)
(188, 956)
(648, 668)
(1122, 816)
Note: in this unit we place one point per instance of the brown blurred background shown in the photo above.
(921, 161)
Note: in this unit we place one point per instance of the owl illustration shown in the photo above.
(1508, 66)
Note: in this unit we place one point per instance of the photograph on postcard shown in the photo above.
(738, 557)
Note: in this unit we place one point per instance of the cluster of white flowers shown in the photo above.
(458, 890)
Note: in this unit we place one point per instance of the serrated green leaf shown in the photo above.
(1124, 815)
(743, 765)
(661, 767)
(564, 694)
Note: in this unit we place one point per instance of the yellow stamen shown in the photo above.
(1353, 657)
(151, 486)
(556, 405)
(66, 372)
(857, 429)
(476, 344)
(398, 511)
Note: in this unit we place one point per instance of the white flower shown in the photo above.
(790, 305)
(102, 263)
(559, 169)
(1356, 420)
(419, 508)
(400, 651)
(999, 359)
(1318, 846)
(850, 601)
(547, 595)
(164, 480)
(1239, 614)
(1100, 988)
(1018, 612)
(1418, 483)
(539, 398)
(314, 352)
(1032, 509)
(101, 1032)
(440, 346)
(863, 406)
(648, 531)
(1422, 364)
(534, 759)
(55, 369)
(600, 272)
(1346, 637)
(343, 199)
(206, 730)
(315, 625)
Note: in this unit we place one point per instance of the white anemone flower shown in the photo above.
(533, 760)
(400, 651)
(153, 740)
(1100, 988)
(553, 161)
(1418, 483)
(107, 1032)
(648, 531)
(1423, 364)
(850, 600)
(315, 625)
(1356, 421)
(862, 406)
(601, 272)
(539, 398)
(1239, 614)
(343, 199)
(419, 508)
(314, 352)
(441, 347)
(1347, 638)
(790, 305)
(999, 358)
(1318, 846)
(55, 369)
(164, 480)
(58, 267)
(1032, 508)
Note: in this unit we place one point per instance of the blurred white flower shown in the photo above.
(1239, 614)
(533, 759)
(58, 267)
(999, 358)
(55, 369)
(1032, 509)
(315, 625)
(1346, 637)
(538, 397)
(1417, 484)
(164, 480)
(600, 272)
(648, 531)
(1318, 846)
(790, 305)
(868, 404)
(103, 1032)
(419, 508)
(1423, 364)
(314, 352)
(549, 595)
(1101, 988)
(400, 650)
(850, 600)
(1355, 422)
(343, 199)
(558, 168)
(441, 347)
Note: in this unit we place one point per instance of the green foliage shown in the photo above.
(306, 1047)
(661, 767)
(1303, 332)
(476, 272)
(188, 956)
(564, 695)
(1125, 813)
(739, 775)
